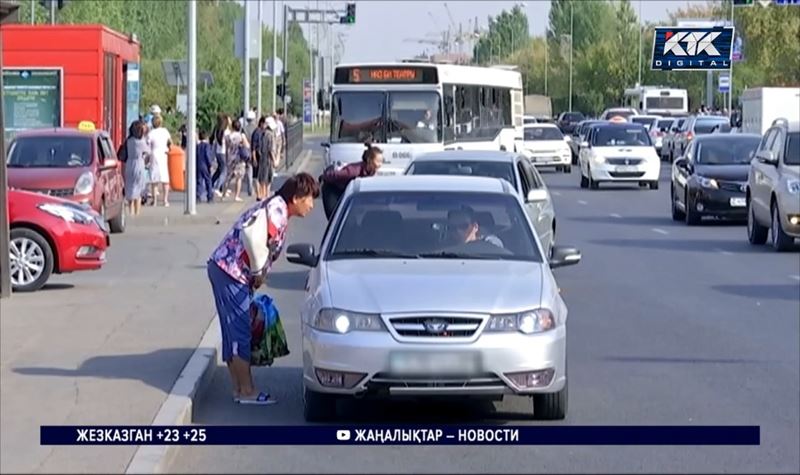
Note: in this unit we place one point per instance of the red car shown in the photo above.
(52, 235)
(76, 164)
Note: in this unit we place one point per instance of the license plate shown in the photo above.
(425, 363)
(738, 202)
(626, 168)
(544, 159)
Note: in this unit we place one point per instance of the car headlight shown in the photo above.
(707, 182)
(342, 321)
(793, 186)
(85, 184)
(598, 159)
(534, 321)
(67, 213)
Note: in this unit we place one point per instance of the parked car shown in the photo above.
(514, 168)
(52, 236)
(568, 120)
(711, 178)
(773, 187)
(408, 296)
(618, 153)
(545, 146)
(76, 164)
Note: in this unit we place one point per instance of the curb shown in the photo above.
(178, 407)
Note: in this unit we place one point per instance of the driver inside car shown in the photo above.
(463, 228)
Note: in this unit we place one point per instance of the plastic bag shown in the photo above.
(268, 340)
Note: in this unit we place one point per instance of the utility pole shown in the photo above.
(730, 70)
(285, 54)
(641, 27)
(546, 59)
(191, 110)
(246, 61)
(52, 12)
(260, 68)
(33, 12)
(571, 37)
(274, 54)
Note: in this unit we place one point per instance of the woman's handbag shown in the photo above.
(254, 237)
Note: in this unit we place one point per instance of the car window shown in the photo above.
(542, 133)
(690, 152)
(50, 152)
(686, 125)
(434, 224)
(665, 124)
(792, 155)
(777, 144)
(533, 176)
(766, 140)
(502, 170)
(616, 136)
(525, 185)
(108, 149)
(726, 151)
(647, 122)
(706, 125)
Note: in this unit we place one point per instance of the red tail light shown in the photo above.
(689, 136)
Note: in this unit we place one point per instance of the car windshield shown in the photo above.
(573, 117)
(380, 117)
(664, 124)
(707, 125)
(434, 225)
(543, 133)
(793, 149)
(50, 152)
(728, 150)
(616, 136)
(503, 170)
(647, 122)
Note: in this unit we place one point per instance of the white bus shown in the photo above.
(657, 100)
(413, 108)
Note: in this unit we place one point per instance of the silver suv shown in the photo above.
(773, 187)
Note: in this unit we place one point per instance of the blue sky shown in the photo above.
(387, 30)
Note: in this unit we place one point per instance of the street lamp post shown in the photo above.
(191, 110)
(571, 22)
(639, 81)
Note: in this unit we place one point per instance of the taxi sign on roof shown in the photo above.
(618, 119)
(86, 126)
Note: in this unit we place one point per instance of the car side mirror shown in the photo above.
(567, 139)
(683, 164)
(303, 254)
(563, 256)
(325, 145)
(766, 156)
(536, 195)
(584, 144)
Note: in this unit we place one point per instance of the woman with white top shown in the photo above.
(238, 148)
(219, 140)
(159, 141)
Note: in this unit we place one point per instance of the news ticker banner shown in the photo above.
(400, 435)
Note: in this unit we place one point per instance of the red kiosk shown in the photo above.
(60, 75)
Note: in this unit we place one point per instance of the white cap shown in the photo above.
(271, 123)
(251, 115)
(154, 109)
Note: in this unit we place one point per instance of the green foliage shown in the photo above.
(507, 33)
(161, 29)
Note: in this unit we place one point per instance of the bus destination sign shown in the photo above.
(386, 75)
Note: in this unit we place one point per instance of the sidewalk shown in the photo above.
(105, 347)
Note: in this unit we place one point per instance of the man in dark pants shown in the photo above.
(205, 159)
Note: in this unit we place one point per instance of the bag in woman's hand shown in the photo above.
(267, 337)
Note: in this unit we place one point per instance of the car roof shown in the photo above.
(474, 155)
(436, 183)
(793, 126)
(657, 117)
(626, 125)
(725, 136)
(61, 131)
(548, 125)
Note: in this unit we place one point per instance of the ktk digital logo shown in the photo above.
(692, 49)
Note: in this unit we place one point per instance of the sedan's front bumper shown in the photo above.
(551, 160)
(719, 202)
(789, 207)
(645, 171)
(369, 356)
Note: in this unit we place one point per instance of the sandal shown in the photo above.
(262, 399)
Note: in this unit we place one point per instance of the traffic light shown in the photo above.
(350, 14)
(742, 3)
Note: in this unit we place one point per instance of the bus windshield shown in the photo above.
(386, 117)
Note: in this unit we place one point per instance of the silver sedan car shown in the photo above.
(514, 168)
(409, 295)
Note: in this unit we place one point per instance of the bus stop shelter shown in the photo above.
(8, 13)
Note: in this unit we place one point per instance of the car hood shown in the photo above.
(399, 285)
(625, 151)
(545, 145)
(44, 178)
(723, 172)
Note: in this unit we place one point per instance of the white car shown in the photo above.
(619, 153)
(624, 112)
(545, 146)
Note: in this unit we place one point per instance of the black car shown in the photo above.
(711, 178)
(568, 120)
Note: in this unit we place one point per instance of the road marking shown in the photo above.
(795, 277)
(582, 202)
(615, 215)
(659, 231)
(723, 252)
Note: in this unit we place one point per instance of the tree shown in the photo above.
(507, 33)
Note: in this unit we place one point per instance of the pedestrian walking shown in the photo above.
(238, 149)
(280, 136)
(334, 181)
(219, 139)
(269, 154)
(160, 141)
(249, 128)
(135, 153)
(255, 148)
(205, 160)
(233, 282)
